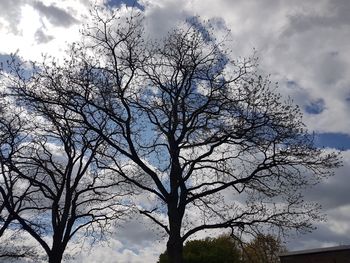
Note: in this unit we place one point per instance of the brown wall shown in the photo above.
(340, 256)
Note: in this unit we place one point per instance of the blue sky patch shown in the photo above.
(5, 58)
(339, 141)
(13, 59)
(291, 84)
(8, 61)
(118, 3)
(315, 107)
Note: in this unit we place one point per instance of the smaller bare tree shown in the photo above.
(12, 192)
(51, 184)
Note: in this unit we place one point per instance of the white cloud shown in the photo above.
(55, 15)
(304, 42)
(133, 242)
(40, 27)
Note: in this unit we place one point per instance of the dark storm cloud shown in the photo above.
(57, 16)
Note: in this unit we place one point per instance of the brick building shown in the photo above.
(339, 254)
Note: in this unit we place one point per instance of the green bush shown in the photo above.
(210, 250)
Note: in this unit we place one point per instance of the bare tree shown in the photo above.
(205, 135)
(12, 192)
(51, 184)
(7, 182)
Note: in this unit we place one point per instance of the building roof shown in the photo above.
(317, 250)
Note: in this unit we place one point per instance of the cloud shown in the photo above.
(333, 195)
(329, 14)
(302, 43)
(333, 192)
(41, 37)
(322, 237)
(137, 233)
(57, 16)
(114, 252)
(310, 49)
(161, 16)
(335, 231)
(40, 27)
(305, 43)
(135, 241)
(10, 12)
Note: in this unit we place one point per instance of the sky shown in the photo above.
(304, 45)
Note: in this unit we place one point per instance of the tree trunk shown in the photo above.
(174, 249)
(174, 244)
(55, 257)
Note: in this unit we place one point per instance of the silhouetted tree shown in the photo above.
(51, 185)
(13, 193)
(202, 133)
